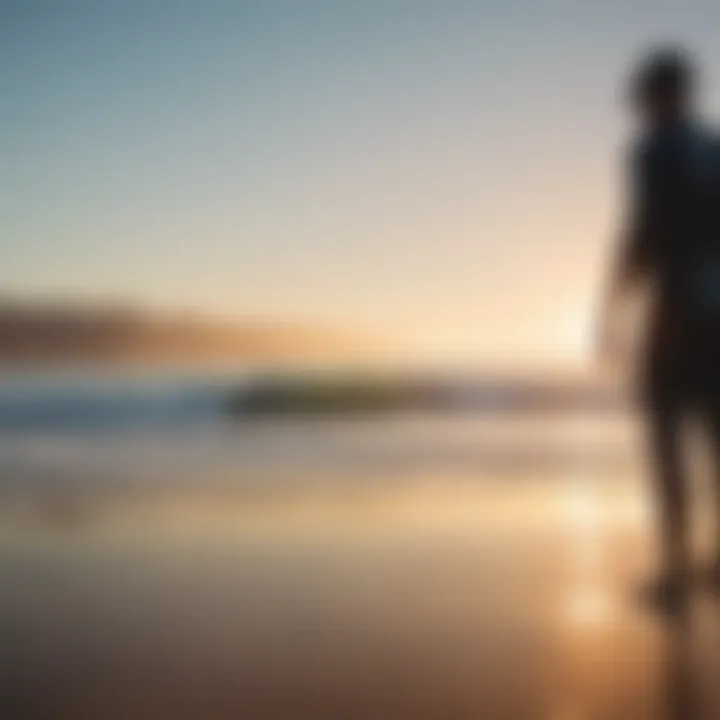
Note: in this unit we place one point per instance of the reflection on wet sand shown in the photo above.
(680, 682)
(445, 598)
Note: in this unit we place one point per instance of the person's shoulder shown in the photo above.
(702, 137)
(712, 141)
(704, 145)
(705, 130)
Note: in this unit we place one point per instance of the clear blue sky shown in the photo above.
(446, 170)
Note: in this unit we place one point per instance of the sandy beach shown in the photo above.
(439, 597)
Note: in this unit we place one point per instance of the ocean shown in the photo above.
(125, 453)
(175, 429)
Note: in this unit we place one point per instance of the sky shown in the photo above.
(444, 173)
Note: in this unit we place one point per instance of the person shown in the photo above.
(671, 242)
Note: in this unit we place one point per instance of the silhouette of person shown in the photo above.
(672, 240)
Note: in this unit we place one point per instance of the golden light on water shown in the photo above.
(582, 511)
(588, 604)
(589, 607)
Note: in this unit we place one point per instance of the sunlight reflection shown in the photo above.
(580, 507)
(587, 604)
(583, 512)
(589, 607)
(634, 510)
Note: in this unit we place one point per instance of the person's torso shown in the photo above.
(680, 170)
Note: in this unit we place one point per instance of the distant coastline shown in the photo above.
(71, 333)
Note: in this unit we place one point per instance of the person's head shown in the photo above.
(663, 86)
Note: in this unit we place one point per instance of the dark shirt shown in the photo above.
(675, 218)
(675, 242)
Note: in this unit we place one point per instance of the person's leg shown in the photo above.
(670, 487)
(713, 431)
(665, 413)
(712, 421)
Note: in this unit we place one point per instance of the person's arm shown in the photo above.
(631, 264)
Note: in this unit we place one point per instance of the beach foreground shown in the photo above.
(439, 597)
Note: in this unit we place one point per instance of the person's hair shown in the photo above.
(668, 71)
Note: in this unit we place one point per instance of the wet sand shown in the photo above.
(442, 598)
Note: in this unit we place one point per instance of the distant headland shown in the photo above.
(65, 332)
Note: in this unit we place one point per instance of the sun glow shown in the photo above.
(575, 336)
